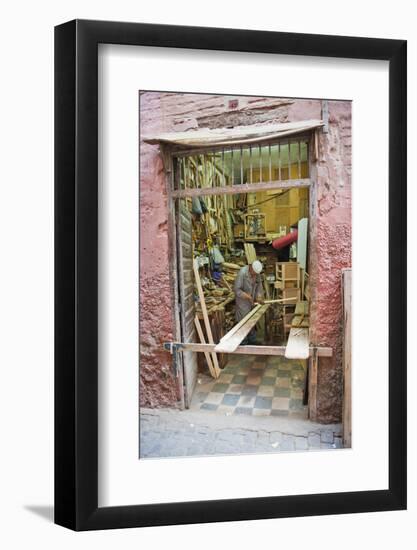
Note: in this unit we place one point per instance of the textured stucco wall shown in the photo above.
(330, 251)
(158, 386)
(331, 229)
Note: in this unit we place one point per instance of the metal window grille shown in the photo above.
(241, 164)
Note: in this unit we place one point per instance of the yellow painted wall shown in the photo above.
(256, 172)
(283, 209)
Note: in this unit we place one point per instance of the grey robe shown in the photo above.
(245, 283)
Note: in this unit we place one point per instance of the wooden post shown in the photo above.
(347, 359)
(172, 239)
(205, 315)
(325, 115)
(203, 341)
(312, 390)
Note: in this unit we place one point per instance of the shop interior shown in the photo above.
(219, 231)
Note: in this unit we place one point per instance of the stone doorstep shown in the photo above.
(209, 420)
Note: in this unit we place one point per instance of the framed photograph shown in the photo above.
(230, 244)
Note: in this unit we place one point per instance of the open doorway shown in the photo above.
(226, 181)
(220, 234)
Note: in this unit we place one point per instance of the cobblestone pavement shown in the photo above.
(174, 433)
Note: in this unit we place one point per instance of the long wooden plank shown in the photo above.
(301, 321)
(301, 308)
(250, 350)
(298, 344)
(302, 242)
(229, 345)
(238, 189)
(235, 334)
(205, 315)
(240, 323)
(203, 341)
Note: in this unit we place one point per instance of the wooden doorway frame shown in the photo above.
(174, 195)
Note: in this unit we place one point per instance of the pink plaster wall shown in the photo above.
(158, 386)
(330, 252)
(331, 229)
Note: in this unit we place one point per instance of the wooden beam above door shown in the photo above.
(237, 189)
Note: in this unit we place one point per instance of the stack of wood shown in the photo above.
(229, 320)
(230, 272)
(216, 298)
(215, 224)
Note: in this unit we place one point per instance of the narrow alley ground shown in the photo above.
(171, 433)
(255, 406)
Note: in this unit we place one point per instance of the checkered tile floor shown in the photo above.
(255, 386)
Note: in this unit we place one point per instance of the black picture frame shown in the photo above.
(76, 272)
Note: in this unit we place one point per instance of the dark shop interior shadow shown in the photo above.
(45, 512)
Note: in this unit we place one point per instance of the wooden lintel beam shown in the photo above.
(185, 150)
(244, 188)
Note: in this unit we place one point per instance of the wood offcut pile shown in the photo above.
(230, 272)
(218, 296)
(218, 292)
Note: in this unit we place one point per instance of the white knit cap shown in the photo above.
(257, 266)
